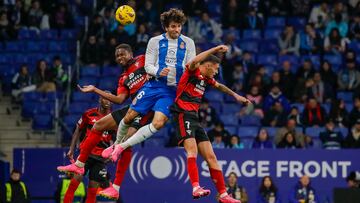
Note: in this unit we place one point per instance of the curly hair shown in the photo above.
(173, 15)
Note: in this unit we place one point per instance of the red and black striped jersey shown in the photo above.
(85, 124)
(133, 77)
(191, 89)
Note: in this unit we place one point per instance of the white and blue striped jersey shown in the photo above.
(162, 52)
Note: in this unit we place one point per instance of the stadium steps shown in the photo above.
(17, 133)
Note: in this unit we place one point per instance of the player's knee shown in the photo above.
(158, 124)
(211, 159)
(98, 125)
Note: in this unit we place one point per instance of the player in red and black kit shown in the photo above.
(199, 73)
(95, 165)
(130, 81)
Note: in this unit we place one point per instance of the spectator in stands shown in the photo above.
(122, 36)
(274, 96)
(339, 8)
(35, 15)
(328, 75)
(321, 91)
(235, 142)
(275, 7)
(62, 19)
(6, 30)
(109, 56)
(300, 7)
(338, 113)
(262, 140)
(353, 180)
(148, 14)
(142, 37)
(355, 112)
(304, 81)
(330, 138)
(290, 127)
(194, 7)
(268, 192)
(349, 77)
(234, 52)
(289, 41)
(91, 52)
(287, 79)
(353, 138)
(295, 115)
(108, 19)
(310, 40)
(247, 61)
(306, 71)
(219, 130)
(334, 43)
(218, 142)
(15, 189)
(252, 20)
(17, 14)
(63, 186)
(61, 77)
(319, 15)
(235, 190)
(97, 28)
(275, 80)
(256, 107)
(314, 114)
(44, 78)
(309, 143)
(288, 142)
(21, 82)
(207, 114)
(208, 30)
(339, 24)
(276, 116)
(354, 28)
(230, 14)
(238, 75)
(303, 191)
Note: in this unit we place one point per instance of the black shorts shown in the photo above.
(96, 170)
(139, 121)
(187, 125)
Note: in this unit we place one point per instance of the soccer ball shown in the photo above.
(125, 15)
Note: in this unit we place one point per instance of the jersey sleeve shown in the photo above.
(152, 52)
(191, 51)
(122, 89)
(211, 81)
(83, 121)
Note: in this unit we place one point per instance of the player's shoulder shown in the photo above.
(140, 58)
(91, 111)
(157, 38)
(186, 39)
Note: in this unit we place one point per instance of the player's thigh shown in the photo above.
(105, 123)
(144, 100)
(119, 114)
(163, 105)
(159, 120)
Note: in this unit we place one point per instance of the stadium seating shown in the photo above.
(246, 131)
(42, 122)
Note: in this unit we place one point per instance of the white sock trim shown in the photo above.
(116, 187)
(223, 194)
(79, 164)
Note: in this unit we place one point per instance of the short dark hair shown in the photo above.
(172, 15)
(127, 47)
(57, 58)
(212, 58)
(15, 171)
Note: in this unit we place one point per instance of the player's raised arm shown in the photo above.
(192, 65)
(119, 99)
(151, 55)
(238, 98)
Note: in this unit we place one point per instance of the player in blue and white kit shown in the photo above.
(165, 59)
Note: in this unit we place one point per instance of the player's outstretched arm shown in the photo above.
(119, 99)
(74, 140)
(228, 91)
(193, 64)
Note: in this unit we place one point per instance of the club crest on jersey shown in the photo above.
(131, 75)
(182, 45)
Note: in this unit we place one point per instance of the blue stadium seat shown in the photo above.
(272, 33)
(315, 59)
(52, 96)
(27, 34)
(346, 96)
(275, 22)
(5, 59)
(229, 108)
(71, 120)
(327, 107)
(247, 141)
(79, 21)
(155, 142)
(231, 129)
(108, 83)
(349, 106)
(271, 131)
(44, 108)
(354, 45)
(111, 71)
(229, 120)
(21, 59)
(269, 46)
(249, 45)
(299, 106)
(267, 59)
(33, 46)
(88, 81)
(55, 46)
(42, 122)
(90, 71)
(68, 34)
(49, 34)
(82, 97)
(14, 47)
(216, 105)
(233, 32)
(27, 110)
(314, 131)
(32, 96)
(294, 60)
(213, 95)
(252, 34)
(78, 107)
(247, 131)
(298, 22)
(344, 131)
(335, 60)
(250, 120)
